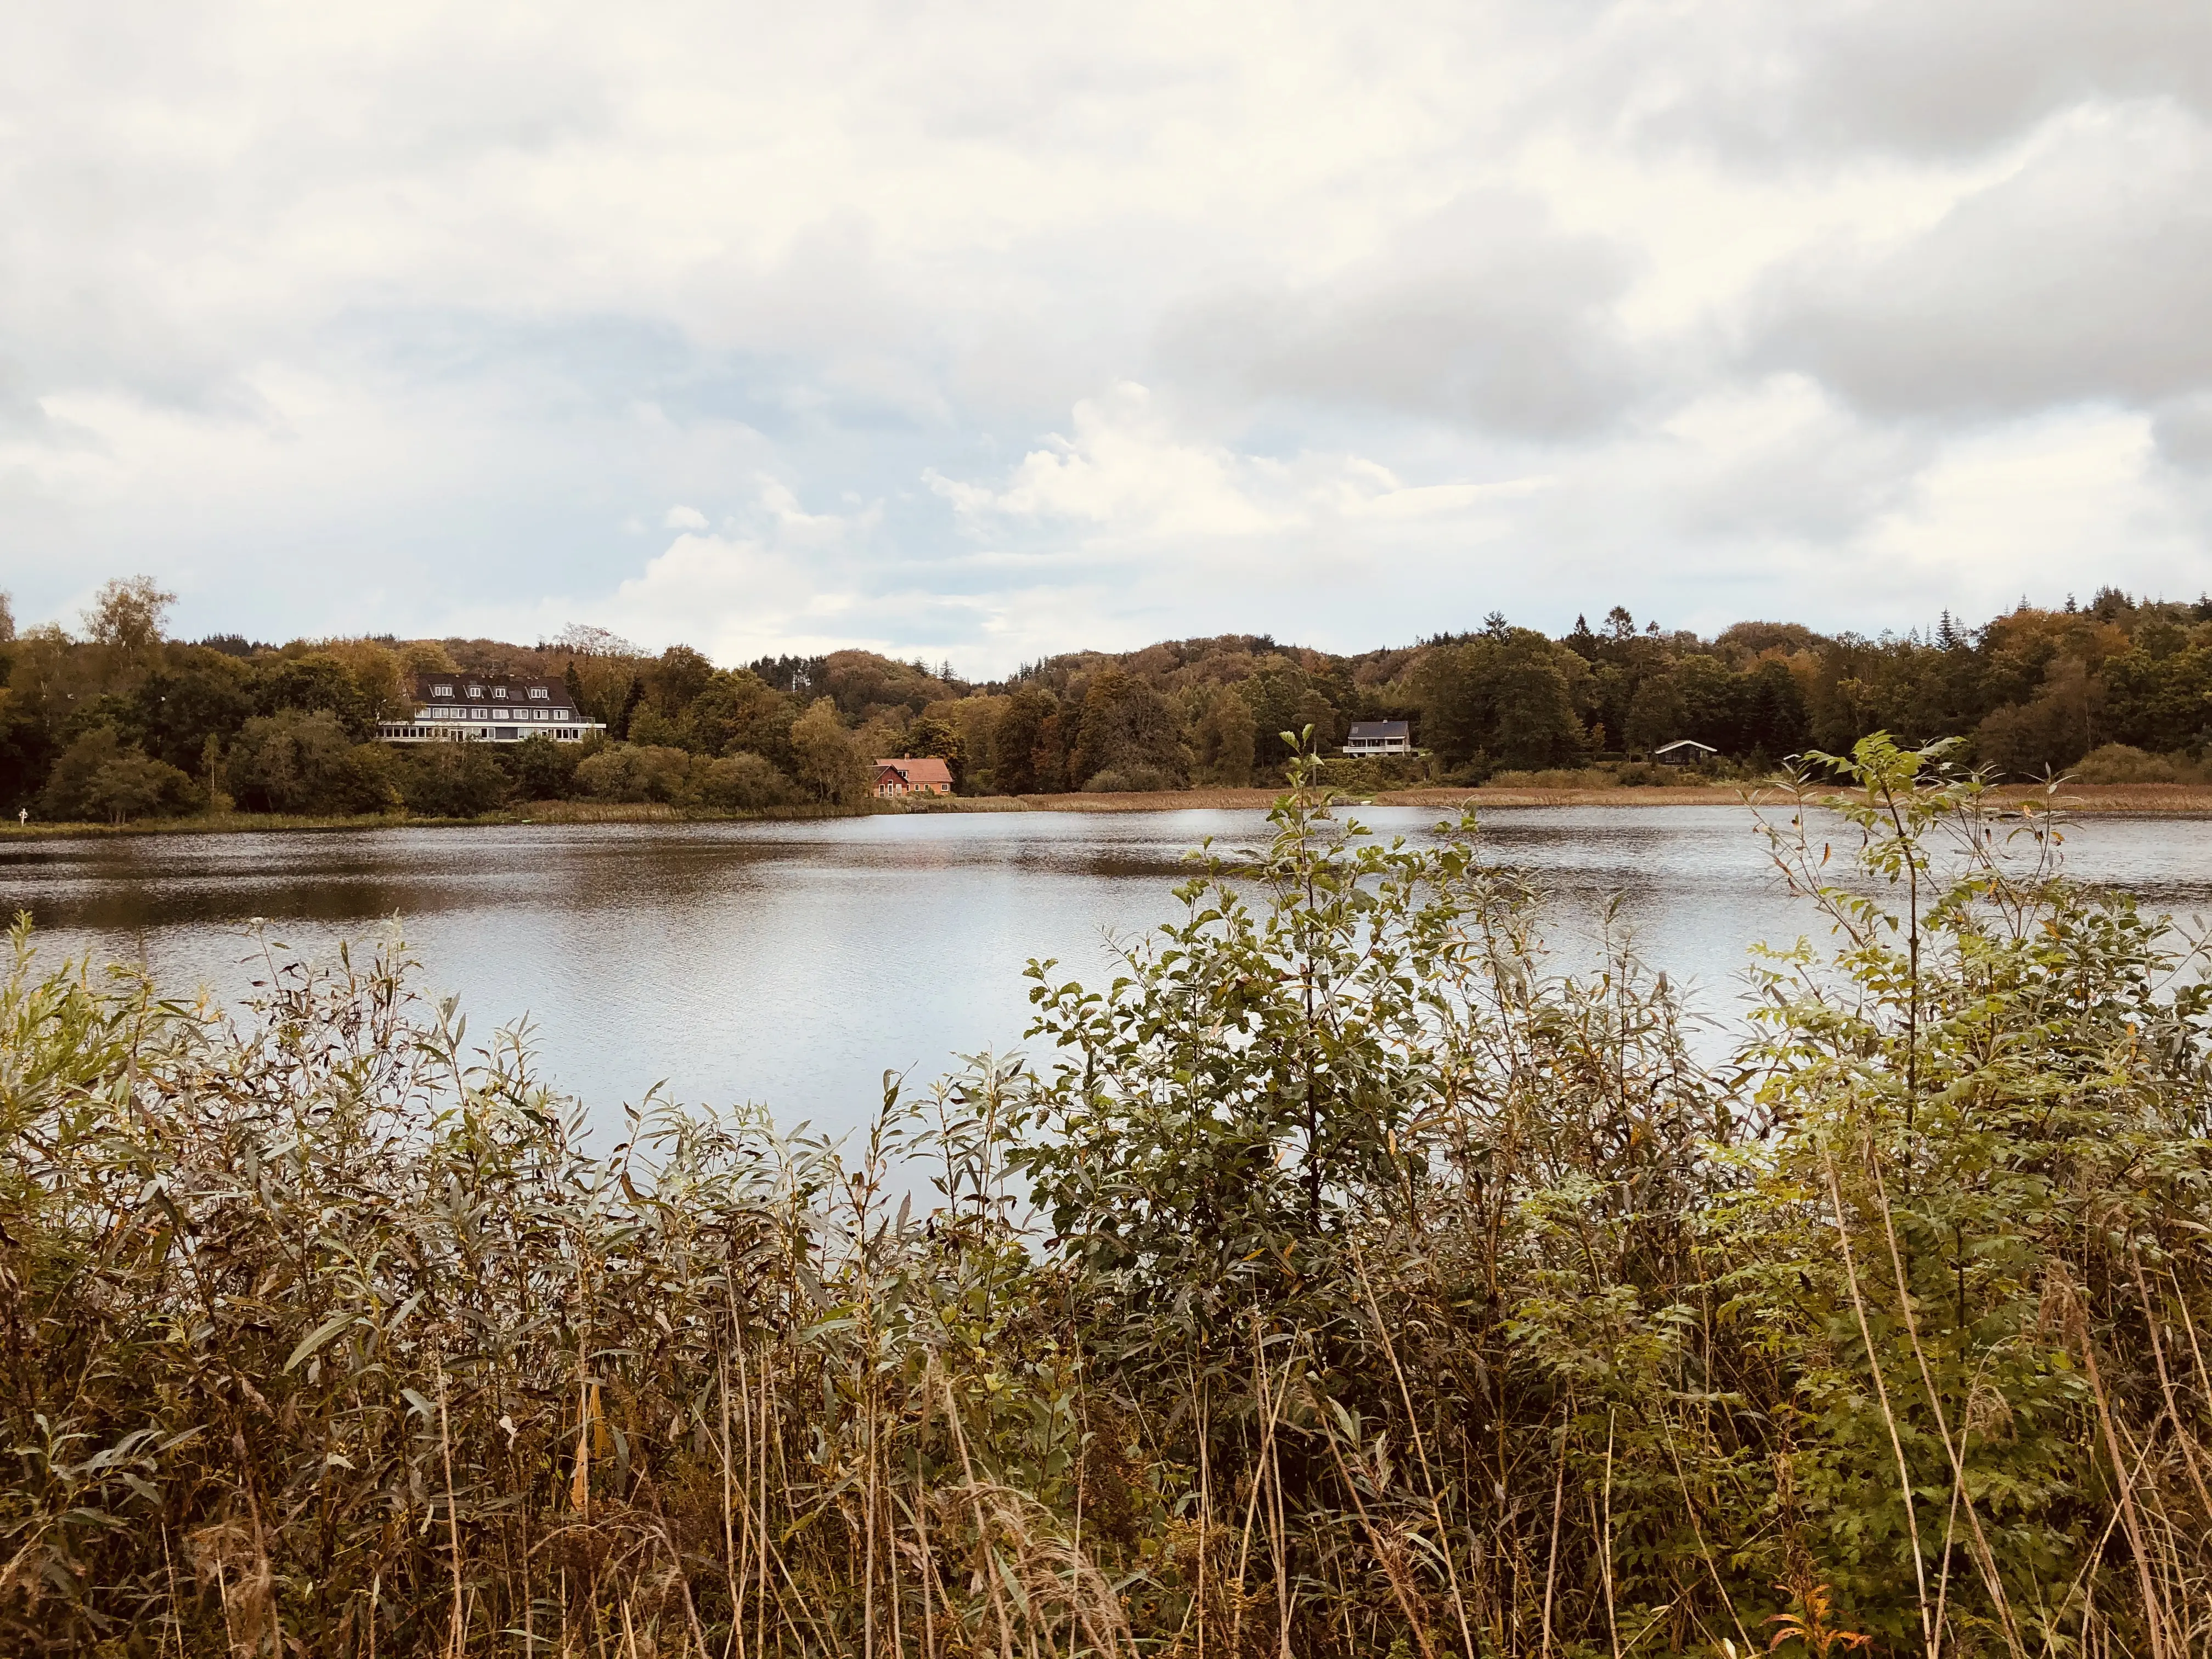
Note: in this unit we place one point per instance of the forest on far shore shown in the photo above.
(113, 720)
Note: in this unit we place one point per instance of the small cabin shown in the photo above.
(1683, 751)
(921, 775)
(490, 708)
(1379, 737)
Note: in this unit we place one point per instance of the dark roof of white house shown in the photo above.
(488, 687)
(1684, 742)
(1381, 729)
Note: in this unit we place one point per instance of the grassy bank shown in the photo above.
(545, 811)
(2170, 800)
(2174, 800)
(2179, 801)
(1378, 1291)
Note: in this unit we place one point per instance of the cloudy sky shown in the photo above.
(981, 332)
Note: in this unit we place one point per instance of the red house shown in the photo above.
(924, 774)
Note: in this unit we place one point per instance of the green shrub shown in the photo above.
(291, 762)
(1134, 779)
(1588, 777)
(634, 772)
(2115, 763)
(102, 779)
(544, 769)
(453, 780)
(744, 782)
(1367, 774)
(830, 765)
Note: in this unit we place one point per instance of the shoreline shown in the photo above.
(2142, 799)
(2179, 800)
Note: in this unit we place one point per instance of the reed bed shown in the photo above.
(1340, 1280)
(2185, 799)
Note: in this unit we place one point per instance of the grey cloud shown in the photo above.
(1835, 77)
(1486, 314)
(181, 211)
(2183, 431)
(2081, 278)
(1822, 483)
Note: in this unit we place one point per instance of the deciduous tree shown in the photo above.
(830, 765)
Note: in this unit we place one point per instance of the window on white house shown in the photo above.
(540, 692)
(441, 690)
(475, 691)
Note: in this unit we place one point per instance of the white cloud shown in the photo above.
(1127, 475)
(775, 578)
(1124, 471)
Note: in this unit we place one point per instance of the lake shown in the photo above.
(792, 964)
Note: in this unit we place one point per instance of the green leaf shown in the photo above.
(322, 1334)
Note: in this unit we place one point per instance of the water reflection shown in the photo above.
(794, 964)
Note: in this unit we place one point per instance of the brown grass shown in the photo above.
(582, 812)
(2174, 799)
(1208, 799)
(2177, 799)
(1693, 794)
(205, 823)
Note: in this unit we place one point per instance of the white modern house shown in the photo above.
(1379, 737)
(488, 708)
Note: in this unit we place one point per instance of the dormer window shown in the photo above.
(541, 693)
(441, 690)
(475, 691)
(499, 693)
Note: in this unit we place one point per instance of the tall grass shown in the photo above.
(1341, 1279)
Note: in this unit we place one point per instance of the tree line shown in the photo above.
(115, 720)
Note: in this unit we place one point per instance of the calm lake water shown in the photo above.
(792, 964)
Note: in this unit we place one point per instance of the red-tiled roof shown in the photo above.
(919, 770)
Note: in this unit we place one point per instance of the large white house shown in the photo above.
(490, 708)
(1379, 737)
